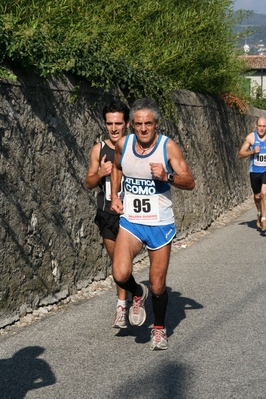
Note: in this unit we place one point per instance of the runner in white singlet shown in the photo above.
(151, 164)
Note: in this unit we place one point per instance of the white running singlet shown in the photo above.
(147, 200)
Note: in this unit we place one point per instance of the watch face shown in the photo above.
(170, 177)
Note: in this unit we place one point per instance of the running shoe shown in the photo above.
(259, 221)
(137, 313)
(159, 340)
(263, 225)
(120, 320)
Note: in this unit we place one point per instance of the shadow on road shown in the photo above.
(252, 224)
(24, 372)
(177, 307)
(176, 312)
(167, 380)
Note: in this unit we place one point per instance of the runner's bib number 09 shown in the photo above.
(260, 160)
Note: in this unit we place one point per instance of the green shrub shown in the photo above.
(146, 48)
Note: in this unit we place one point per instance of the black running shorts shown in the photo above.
(256, 181)
(108, 224)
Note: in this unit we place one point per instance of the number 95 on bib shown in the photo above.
(141, 208)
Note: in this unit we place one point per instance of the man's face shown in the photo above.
(144, 126)
(115, 125)
(261, 126)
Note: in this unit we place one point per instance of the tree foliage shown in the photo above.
(146, 48)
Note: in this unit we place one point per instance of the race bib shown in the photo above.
(141, 208)
(260, 160)
(108, 189)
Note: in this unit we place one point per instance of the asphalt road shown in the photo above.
(216, 325)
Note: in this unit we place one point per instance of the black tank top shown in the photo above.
(102, 202)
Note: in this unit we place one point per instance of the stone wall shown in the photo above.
(50, 246)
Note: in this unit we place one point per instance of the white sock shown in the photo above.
(121, 303)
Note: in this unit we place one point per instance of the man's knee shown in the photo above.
(120, 282)
(157, 287)
(263, 191)
(127, 284)
(121, 273)
(160, 297)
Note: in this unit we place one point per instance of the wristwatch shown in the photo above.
(170, 177)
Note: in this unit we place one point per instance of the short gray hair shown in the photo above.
(145, 103)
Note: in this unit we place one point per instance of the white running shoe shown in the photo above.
(159, 340)
(137, 313)
(120, 320)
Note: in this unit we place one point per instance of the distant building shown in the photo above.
(256, 74)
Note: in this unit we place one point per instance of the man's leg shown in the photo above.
(158, 269)
(263, 207)
(110, 245)
(126, 248)
(257, 200)
(256, 182)
(159, 264)
(121, 306)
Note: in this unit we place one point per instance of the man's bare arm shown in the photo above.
(245, 149)
(116, 178)
(183, 178)
(97, 169)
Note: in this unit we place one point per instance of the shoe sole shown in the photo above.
(156, 348)
(118, 326)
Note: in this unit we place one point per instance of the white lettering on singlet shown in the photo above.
(140, 186)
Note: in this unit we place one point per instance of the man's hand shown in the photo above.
(106, 167)
(117, 206)
(158, 171)
(257, 149)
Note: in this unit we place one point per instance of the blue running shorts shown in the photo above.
(154, 237)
